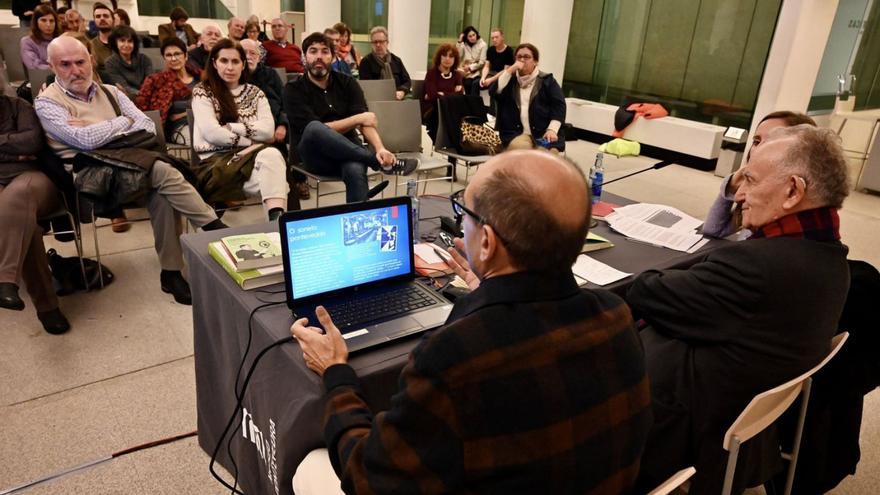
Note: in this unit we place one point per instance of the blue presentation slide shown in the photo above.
(347, 250)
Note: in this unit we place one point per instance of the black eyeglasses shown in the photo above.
(459, 209)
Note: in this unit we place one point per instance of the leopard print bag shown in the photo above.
(478, 138)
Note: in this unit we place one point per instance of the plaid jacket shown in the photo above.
(532, 386)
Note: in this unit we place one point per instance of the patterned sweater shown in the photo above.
(255, 123)
(532, 386)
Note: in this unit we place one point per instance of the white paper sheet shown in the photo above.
(427, 254)
(596, 272)
(658, 225)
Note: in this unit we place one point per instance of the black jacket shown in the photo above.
(546, 103)
(371, 68)
(266, 78)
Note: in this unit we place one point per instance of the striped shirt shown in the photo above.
(532, 386)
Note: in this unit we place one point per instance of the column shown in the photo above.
(321, 14)
(546, 25)
(408, 25)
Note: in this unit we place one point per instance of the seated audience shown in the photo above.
(325, 110)
(44, 28)
(198, 56)
(529, 101)
(724, 218)
(461, 418)
(498, 58)
(179, 28)
(345, 50)
(233, 125)
(441, 80)
(62, 19)
(255, 20)
(79, 115)
(382, 64)
(338, 64)
(26, 194)
(235, 29)
(752, 315)
(170, 91)
(101, 42)
(280, 52)
(74, 22)
(252, 31)
(127, 67)
(121, 18)
(472, 51)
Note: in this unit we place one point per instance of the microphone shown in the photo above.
(372, 193)
(656, 166)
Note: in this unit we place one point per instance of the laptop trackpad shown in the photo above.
(433, 317)
(396, 328)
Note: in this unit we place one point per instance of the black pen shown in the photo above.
(442, 254)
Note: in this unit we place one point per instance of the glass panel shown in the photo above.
(209, 9)
(293, 5)
(363, 15)
(6, 4)
(842, 43)
(701, 60)
(449, 17)
(866, 66)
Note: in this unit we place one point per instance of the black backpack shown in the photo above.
(68, 277)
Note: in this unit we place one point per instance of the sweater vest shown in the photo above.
(92, 112)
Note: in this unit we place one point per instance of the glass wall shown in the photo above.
(703, 60)
(866, 65)
(209, 9)
(838, 59)
(293, 5)
(361, 16)
(449, 17)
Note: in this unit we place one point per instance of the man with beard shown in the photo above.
(101, 44)
(199, 55)
(326, 109)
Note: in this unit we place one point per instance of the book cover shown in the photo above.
(249, 251)
(249, 279)
(595, 242)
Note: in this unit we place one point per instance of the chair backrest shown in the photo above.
(156, 58)
(10, 48)
(418, 89)
(282, 74)
(292, 76)
(400, 125)
(675, 481)
(378, 90)
(37, 77)
(191, 123)
(767, 406)
(156, 117)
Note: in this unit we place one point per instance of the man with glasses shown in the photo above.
(382, 64)
(325, 110)
(533, 385)
(280, 52)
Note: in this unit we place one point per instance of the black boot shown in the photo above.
(174, 284)
(214, 225)
(54, 321)
(9, 297)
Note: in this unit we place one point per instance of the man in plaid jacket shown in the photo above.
(533, 385)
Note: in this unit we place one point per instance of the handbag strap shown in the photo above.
(113, 101)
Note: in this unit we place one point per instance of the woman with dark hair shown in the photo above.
(723, 218)
(44, 28)
(472, 51)
(441, 80)
(529, 101)
(233, 132)
(345, 49)
(121, 18)
(170, 91)
(127, 67)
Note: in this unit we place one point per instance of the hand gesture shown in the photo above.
(400, 94)
(280, 133)
(460, 265)
(515, 67)
(735, 182)
(321, 350)
(551, 136)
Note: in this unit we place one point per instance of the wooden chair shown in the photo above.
(766, 408)
(676, 480)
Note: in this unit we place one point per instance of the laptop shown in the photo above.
(356, 260)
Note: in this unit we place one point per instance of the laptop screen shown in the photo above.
(364, 243)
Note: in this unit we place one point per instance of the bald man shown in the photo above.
(532, 386)
(235, 28)
(198, 56)
(81, 115)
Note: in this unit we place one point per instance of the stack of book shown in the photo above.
(252, 260)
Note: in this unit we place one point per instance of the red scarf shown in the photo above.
(820, 224)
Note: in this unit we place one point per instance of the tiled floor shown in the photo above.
(124, 375)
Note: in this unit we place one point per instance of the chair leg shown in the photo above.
(97, 250)
(77, 242)
(731, 466)
(802, 417)
(318, 193)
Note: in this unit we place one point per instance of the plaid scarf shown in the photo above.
(820, 224)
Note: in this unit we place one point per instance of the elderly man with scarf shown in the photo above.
(748, 317)
(382, 64)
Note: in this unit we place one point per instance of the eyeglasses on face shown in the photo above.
(460, 210)
(173, 54)
(379, 42)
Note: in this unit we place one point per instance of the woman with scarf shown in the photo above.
(345, 50)
(472, 52)
(529, 101)
(170, 91)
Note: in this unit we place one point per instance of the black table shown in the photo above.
(283, 405)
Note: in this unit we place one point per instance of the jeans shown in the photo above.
(327, 152)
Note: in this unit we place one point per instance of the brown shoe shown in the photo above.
(120, 224)
(302, 188)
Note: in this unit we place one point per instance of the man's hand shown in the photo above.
(385, 157)
(26, 158)
(551, 136)
(320, 350)
(460, 265)
(400, 94)
(484, 83)
(280, 134)
(367, 119)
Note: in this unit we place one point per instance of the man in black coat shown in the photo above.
(382, 64)
(751, 315)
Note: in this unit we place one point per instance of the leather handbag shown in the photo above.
(478, 138)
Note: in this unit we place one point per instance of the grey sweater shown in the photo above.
(130, 76)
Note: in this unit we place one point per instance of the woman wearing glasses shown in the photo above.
(170, 91)
(529, 101)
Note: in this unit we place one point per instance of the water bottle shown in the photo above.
(597, 177)
(412, 190)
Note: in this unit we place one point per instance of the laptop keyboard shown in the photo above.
(371, 307)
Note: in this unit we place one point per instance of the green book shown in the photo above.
(249, 279)
(249, 251)
(595, 242)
